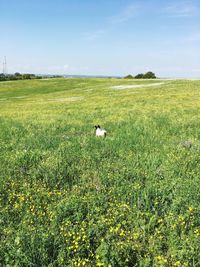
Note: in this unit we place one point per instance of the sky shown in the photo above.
(101, 37)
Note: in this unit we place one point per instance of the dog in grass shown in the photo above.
(100, 131)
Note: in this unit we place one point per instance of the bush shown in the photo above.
(139, 76)
(149, 75)
(129, 77)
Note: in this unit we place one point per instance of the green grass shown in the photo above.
(68, 198)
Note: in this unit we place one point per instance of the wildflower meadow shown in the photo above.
(69, 198)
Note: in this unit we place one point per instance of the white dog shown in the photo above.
(99, 131)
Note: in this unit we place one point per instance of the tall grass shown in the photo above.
(68, 198)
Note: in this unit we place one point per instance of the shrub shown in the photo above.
(129, 77)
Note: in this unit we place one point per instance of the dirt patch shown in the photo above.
(122, 87)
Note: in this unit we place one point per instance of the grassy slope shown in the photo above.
(70, 199)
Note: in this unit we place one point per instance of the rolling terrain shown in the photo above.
(68, 198)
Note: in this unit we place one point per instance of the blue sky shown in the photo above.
(102, 37)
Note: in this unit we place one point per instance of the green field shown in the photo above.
(68, 198)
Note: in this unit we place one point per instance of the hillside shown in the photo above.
(68, 198)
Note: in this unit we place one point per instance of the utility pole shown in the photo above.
(4, 66)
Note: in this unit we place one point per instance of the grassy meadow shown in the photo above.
(68, 198)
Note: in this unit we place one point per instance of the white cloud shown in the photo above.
(181, 9)
(126, 14)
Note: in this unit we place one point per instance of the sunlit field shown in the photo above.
(69, 198)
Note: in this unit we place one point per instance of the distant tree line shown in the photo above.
(26, 76)
(18, 76)
(147, 75)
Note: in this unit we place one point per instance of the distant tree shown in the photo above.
(26, 76)
(17, 74)
(38, 77)
(2, 77)
(12, 77)
(129, 77)
(149, 75)
(139, 76)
